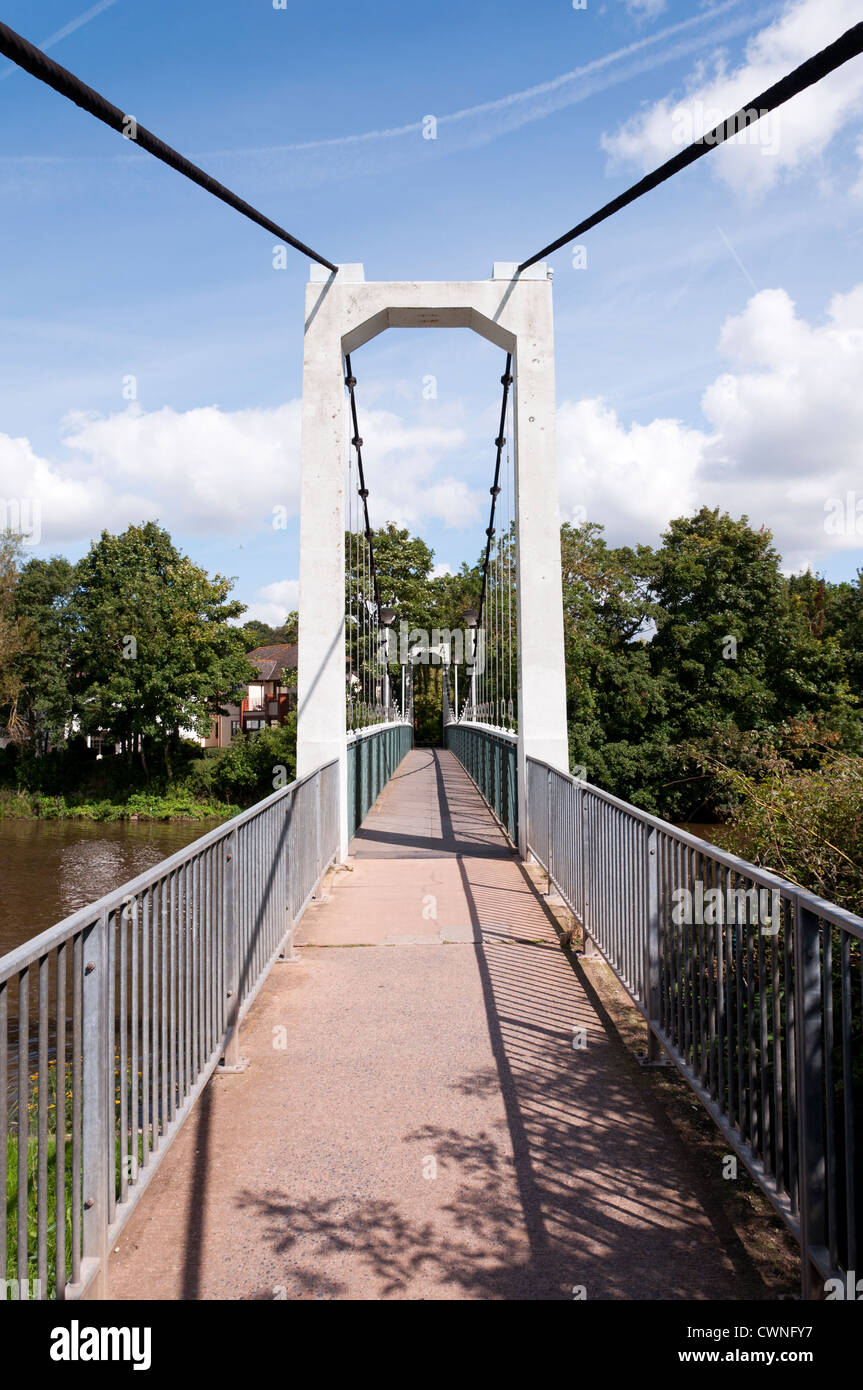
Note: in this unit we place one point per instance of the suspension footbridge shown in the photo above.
(341, 1046)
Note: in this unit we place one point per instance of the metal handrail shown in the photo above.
(373, 754)
(134, 1000)
(763, 1018)
(489, 756)
(831, 912)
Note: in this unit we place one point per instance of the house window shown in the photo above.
(235, 727)
(256, 697)
(254, 724)
(274, 708)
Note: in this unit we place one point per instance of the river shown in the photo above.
(50, 868)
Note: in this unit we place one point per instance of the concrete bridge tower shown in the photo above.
(514, 312)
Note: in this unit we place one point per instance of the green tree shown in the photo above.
(257, 634)
(615, 705)
(42, 601)
(17, 639)
(155, 651)
(289, 630)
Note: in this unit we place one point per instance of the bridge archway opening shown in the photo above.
(428, 465)
(343, 313)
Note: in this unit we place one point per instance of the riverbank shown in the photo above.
(137, 806)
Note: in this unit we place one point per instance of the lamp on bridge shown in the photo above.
(386, 618)
(471, 621)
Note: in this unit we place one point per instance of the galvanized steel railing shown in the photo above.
(373, 756)
(752, 986)
(489, 757)
(112, 1021)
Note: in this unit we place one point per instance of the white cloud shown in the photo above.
(782, 442)
(633, 479)
(783, 142)
(403, 463)
(207, 471)
(441, 569)
(274, 602)
(75, 503)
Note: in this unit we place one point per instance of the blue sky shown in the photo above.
(710, 351)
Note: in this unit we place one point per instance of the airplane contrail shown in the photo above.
(554, 86)
(67, 29)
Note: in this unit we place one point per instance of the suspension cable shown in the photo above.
(849, 46)
(351, 382)
(506, 382)
(373, 665)
(39, 65)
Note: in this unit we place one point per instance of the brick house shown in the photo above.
(267, 701)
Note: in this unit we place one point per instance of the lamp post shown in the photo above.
(471, 619)
(386, 618)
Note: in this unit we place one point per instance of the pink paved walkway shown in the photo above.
(415, 1122)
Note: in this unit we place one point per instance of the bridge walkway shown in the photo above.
(415, 1122)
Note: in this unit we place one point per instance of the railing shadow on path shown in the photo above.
(585, 1185)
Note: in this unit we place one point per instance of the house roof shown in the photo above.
(271, 661)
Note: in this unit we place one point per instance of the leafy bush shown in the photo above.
(805, 823)
(255, 764)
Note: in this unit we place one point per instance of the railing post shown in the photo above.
(232, 1061)
(317, 831)
(588, 947)
(548, 829)
(809, 1064)
(289, 954)
(97, 1108)
(651, 951)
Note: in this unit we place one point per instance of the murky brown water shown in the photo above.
(49, 869)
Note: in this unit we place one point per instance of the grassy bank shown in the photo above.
(71, 783)
(138, 806)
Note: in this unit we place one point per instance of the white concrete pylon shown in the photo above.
(514, 312)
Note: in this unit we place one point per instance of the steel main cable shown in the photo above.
(20, 51)
(506, 382)
(351, 382)
(25, 55)
(849, 46)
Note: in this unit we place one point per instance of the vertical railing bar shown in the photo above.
(810, 1088)
(730, 1037)
(196, 972)
(829, 1095)
(174, 995)
(848, 1096)
(764, 1136)
(188, 979)
(98, 1132)
(144, 905)
(778, 1091)
(123, 1067)
(112, 1076)
(232, 953)
(719, 938)
(754, 1123)
(23, 1120)
(59, 1128)
(790, 953)
(42, 1119)
(164, 1005)
(76, 1196)
(134, 1059)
